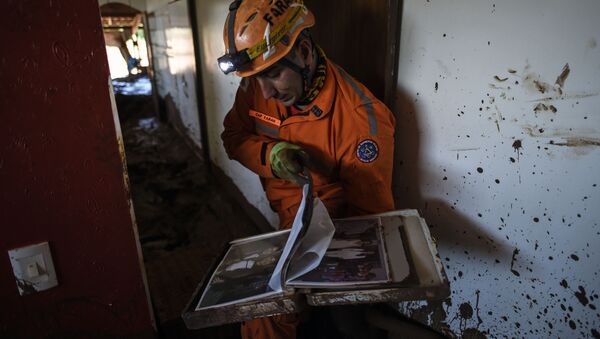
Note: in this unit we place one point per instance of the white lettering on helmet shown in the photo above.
(270, 49)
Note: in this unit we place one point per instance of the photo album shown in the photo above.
(317, 252)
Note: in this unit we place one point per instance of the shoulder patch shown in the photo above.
(367, 151)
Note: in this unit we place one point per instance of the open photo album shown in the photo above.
(315, 253)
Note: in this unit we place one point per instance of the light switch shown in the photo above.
(33, 268)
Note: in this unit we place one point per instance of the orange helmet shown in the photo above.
(258, 33)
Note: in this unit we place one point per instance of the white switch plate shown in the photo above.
(33, 268)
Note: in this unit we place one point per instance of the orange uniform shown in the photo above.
(345, 128)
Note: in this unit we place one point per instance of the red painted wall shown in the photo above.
(61, 176)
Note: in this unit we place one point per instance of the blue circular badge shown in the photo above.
(367, 151)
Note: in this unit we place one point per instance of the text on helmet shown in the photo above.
(278, 8)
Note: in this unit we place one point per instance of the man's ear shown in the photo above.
(305, 51)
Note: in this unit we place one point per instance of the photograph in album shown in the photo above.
(244, 272)
(355, 256)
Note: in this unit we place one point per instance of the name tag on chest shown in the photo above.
(265, 118)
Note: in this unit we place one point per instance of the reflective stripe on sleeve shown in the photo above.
(365, 101)
(266, 129)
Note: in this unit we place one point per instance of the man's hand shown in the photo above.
(288, 161)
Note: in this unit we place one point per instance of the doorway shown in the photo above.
(184, 218)
(361, 36)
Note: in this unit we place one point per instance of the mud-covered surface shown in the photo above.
(184, 218)
(176, 202)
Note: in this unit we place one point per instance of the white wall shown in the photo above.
(534, 216)
(219, 94)
(508, 244)
(174, 61)
(173, 58)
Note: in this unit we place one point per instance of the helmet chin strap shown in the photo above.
(303, 71)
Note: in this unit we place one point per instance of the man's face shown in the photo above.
(281, 83)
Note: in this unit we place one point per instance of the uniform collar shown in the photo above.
(322, 103)
(318, 79)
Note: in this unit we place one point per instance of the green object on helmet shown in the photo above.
(287, 162)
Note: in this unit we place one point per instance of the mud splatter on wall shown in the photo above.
(499, 149)
(490, 173)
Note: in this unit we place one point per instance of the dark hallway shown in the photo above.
(184, 218)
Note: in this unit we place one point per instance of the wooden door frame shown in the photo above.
(393, 52)
(199, 84)
(151, 74)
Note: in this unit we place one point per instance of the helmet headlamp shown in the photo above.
(233, 62)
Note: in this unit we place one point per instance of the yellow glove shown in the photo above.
(288, 161)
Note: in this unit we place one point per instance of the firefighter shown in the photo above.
(295, 108)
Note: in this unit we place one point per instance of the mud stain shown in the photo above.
(565, 133)
(544, 108)
(533, 83)
(542, 87)
(560, 80)
(433, 314)
(479, 321)
(512, 262)
(532, 131)
(540, 107)
(466, 311)
(517, 146)
(576, 142)
(581, 296)
(566, 97)
(464, 149)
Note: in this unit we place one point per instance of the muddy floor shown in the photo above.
(184, 218)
